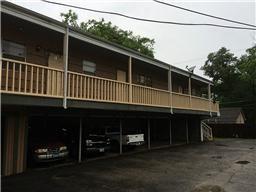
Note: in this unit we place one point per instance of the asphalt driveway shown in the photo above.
(223, 165)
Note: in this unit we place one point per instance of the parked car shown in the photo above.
(47, 150)
(127, 139)
(97, 144)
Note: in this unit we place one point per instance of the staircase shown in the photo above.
(206, 132)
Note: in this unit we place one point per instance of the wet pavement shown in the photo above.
(225, 165)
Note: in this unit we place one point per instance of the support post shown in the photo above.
(170, 132)
(210, 99)
(65, 61)
(170, 87)
(130, 79)
(189, 91)
(187, 138)
(201, 132)
(80, 140)
(148, 125)
(120, 137)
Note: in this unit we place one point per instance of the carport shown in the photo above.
(73, 127)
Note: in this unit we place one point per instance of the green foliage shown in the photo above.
(234, 79)
(110, 32)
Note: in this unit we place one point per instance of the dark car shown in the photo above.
(47, 150)
(97, 144)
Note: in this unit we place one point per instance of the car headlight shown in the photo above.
(88, 143)
(41, 150)
(63, 148)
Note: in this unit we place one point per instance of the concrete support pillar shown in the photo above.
(65, 62)
(80, 140)
(14, 144)
(130, 79)
(170, 132)
(120, 136)
(148, 126)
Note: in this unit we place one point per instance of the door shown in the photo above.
(121, 75)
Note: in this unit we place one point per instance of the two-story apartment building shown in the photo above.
(52, 71)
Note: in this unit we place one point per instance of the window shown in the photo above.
(13, 50)
(144, 80)
(89, 67)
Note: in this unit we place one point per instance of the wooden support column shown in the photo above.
(120, 136)
(148, 125)
(130, 79)
(187, 136)
(170, 132)
(210, 99)
(80, 140)
(170, 87)
(65, 62)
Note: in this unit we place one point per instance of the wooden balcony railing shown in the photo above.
(29, 79)
(36, 80)
(87, 87)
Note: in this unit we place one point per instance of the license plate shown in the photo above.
(102, 150)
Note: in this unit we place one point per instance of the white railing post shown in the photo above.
(130, 79)
(189, 91)
(210, 99)
(65, 61)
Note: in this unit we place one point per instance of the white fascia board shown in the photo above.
(32, 19)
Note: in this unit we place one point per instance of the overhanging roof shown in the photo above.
(34, 17)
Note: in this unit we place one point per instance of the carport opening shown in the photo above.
(160, 132)
(52, 140)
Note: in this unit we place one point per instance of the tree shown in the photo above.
(110, 32)
(221, 67)
(234, 80)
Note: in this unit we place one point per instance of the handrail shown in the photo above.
(31, 64)
(100, 78)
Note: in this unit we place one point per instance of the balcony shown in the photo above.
(23, 78)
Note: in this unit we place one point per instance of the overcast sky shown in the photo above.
(176, 45)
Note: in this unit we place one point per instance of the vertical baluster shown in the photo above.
(81, 85)
(56, 82)
(42, 81)
(13, 76)
(77, 82)
(84, 88)
(48, 81)
(69, 85)
(37, 78)
(19, 77)
(7, 76)
(73, 85)
(92, 88)
(101, 90)
(31, 79)
(88, 88)
(95, 89)
(26, 79)
(111, 91)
